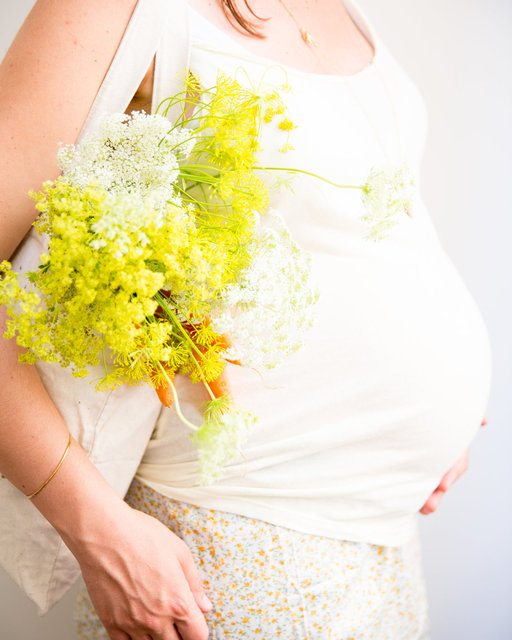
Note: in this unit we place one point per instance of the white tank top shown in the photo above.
(358, 427)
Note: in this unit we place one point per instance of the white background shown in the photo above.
(459, 54)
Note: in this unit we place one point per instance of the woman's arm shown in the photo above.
(49, 78)
(141, 577)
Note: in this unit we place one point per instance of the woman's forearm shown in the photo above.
(49, 78)
(149, 581)
(33, 437)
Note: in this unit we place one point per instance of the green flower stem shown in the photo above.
(212, 178)
(176, 401)
(309, 173)
(207, 386)
(206, 203)
(267, 386)
(192, 99)
(200, 166)
(178, 144)
(199, 106)
(104, 361)
(183, 191)
(194, 174)
(203, 177)
(172, 316)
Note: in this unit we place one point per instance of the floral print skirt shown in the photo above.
(268, 582)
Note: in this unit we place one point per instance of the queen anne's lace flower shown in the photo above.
(135, 153)
(267, 312)
(218, 440)
(387, 193)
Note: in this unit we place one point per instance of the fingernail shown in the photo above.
(206, 602)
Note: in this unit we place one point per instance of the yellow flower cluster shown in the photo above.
(135, 266)
(97, 299)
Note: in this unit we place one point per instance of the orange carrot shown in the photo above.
(225, 343)
(220, 386)
(164, 391)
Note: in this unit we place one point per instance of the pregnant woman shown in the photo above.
(311, 532)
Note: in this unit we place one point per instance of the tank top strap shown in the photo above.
(363, 23)
(156, 27)
(172, 56)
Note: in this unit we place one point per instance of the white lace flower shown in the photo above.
(387, 194)
(137, 154)
(218, 441)
(268, 311)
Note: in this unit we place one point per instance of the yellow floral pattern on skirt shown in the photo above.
(268, 582)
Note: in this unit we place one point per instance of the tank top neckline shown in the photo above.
(355, 13)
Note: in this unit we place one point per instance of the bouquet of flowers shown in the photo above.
(165, 258)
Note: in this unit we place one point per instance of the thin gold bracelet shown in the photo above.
(33, 495)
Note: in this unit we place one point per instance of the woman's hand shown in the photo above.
(447, 480)
(141, 577)
(143, 581)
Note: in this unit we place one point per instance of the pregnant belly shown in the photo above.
(399, 360)
(387, 393)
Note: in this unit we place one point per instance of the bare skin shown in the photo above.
(338, 37)
(50, 77)
(344, 49)
(451, 476)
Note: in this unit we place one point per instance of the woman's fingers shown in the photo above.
(182, 620)
(446, 482)
(193, 578)
(174, 635)
(143, 581)
(455, 472)
(432, 503)
(191, 627)
(118, 635)
(187, 619)
(169, 634)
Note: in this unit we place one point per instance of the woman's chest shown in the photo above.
(142, 97)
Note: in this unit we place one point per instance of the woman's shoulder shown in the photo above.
(61, 54)
(53, 70)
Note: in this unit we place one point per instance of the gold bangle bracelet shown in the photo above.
(33, 495)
